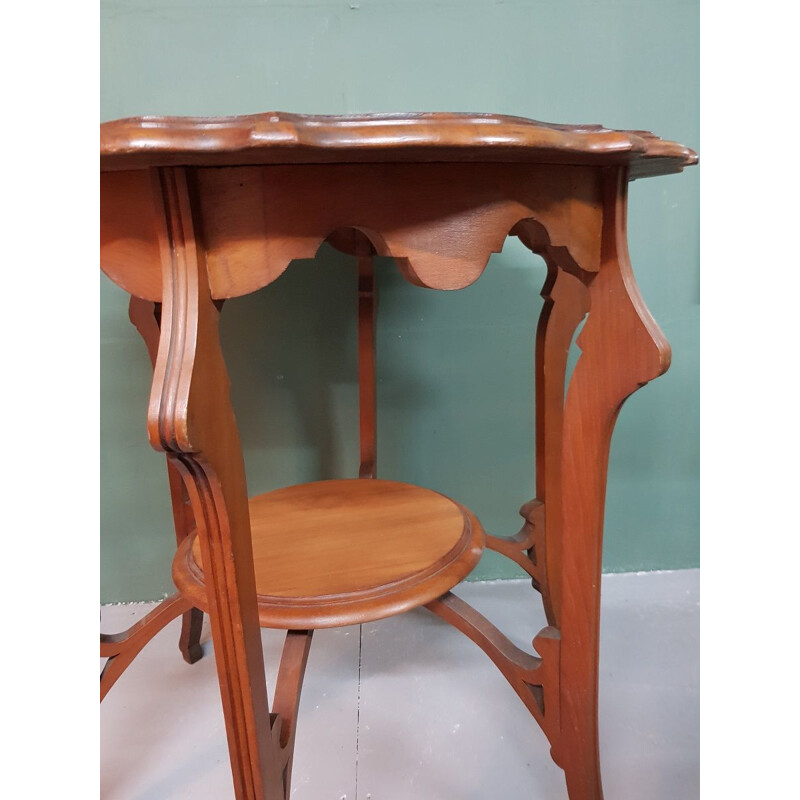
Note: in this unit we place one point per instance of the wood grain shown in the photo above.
(277, 137)
(439, 222)
(145, 317)
(288, 687)
(367, 378)
(342, 552)
(196, 210)
(535, 679)
(566, 303)
(622, 349)
(121, 648)
(190, 417)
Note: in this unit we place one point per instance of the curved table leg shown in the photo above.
(367, 396)
(191, 418)
(189, 641)
(287, 698)
(146, 316)
(560, 545)
(622, 349)
(566, 303)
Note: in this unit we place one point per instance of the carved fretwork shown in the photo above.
(534, 679)
(121, 648)
(522, 547)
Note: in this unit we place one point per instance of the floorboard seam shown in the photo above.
(358, 701)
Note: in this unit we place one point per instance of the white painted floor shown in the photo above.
(430, 718)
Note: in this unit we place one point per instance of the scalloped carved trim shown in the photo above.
(440, 222)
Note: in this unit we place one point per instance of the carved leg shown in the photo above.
(122, 648)
(622, 349)
(189, 641)
(287, 698)
(367, 309)
(537, 547)
(191, 418)
(146, 317)
(566, 304)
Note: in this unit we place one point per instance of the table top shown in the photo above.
(277, 137)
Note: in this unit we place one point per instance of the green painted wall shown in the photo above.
(456, 372)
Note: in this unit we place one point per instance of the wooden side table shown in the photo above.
(198, 210)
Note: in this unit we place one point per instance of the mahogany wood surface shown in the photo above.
(566, 304)
(287, 699)
(121, 648)
(276, 137)
(145, 317)
(439, 222)
(367, 381)
(524, 546)
(190, 417)
(618, 323)
(343, 552)
(196, 210)
(533, 678)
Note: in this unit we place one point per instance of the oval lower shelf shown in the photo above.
(343, 552)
